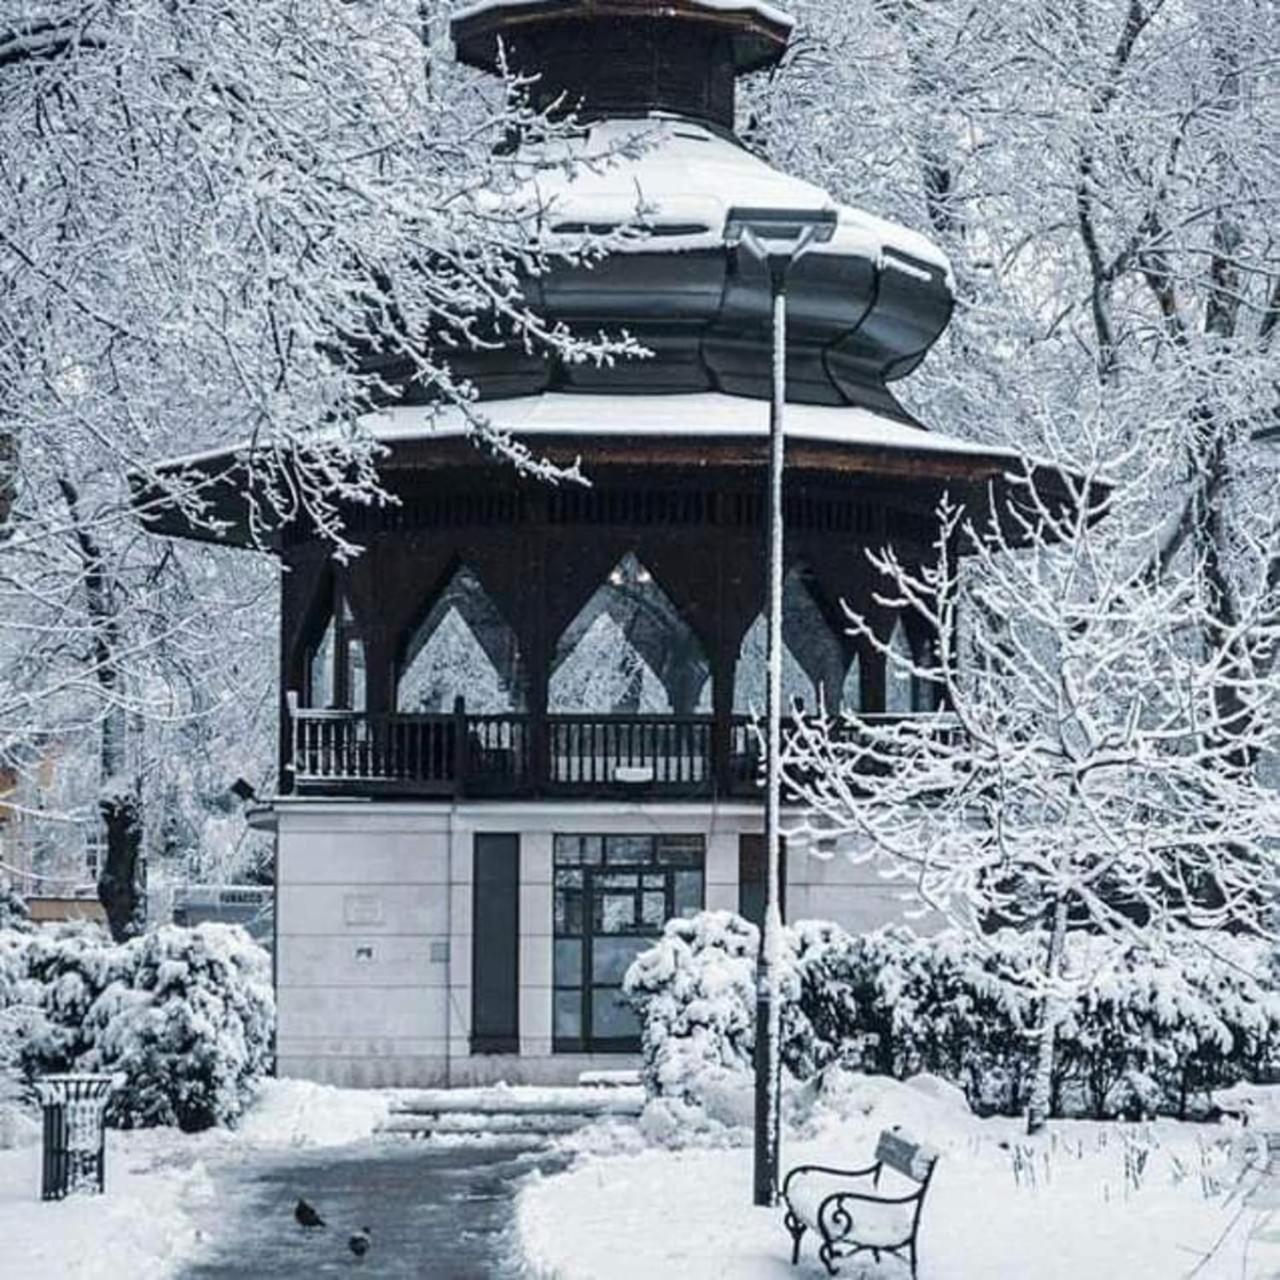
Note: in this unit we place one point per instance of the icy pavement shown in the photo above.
(443, 1211)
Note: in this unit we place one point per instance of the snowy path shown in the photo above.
(436, 1211)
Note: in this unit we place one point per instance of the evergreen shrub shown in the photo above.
(183, 1016)
(1143, 1038)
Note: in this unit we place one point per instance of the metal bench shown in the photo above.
(850, 1221)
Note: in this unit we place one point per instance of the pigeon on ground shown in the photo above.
(360, 1242)
(306, 1216)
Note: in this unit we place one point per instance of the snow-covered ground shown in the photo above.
(144, 1227)
(1129, 1202)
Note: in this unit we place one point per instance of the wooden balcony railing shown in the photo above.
(664, 753)
(460, 754)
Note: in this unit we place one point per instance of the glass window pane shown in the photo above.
(568, 851)
(612, 957)
(688, 897)
(628, 849)
(592, 850)
(567, 1024)
(680, 851)
(653, 908)
(616, 880)
(571, 879)
(615, 912)
(611, 1017)
(568, 911)
(568, 962)
(658, 881)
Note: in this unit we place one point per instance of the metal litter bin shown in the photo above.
(74, 1135)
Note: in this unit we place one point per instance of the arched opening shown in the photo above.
(334, 669)
(907, 690)
(813, 664)
(629, 652)
(851, 690)
(462, 648)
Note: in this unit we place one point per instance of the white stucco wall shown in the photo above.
(374, 945)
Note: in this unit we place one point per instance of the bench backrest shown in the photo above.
(900, 1151)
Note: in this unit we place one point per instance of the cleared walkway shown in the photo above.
(435, 1211)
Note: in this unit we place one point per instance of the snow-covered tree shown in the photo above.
(238, 223)
(1084, 774)
(1103, 178)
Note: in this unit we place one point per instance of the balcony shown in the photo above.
(348, 753)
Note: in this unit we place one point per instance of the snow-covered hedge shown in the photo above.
(184, 1015)
(1144, 1038)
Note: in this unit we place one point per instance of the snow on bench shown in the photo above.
(818, 1199)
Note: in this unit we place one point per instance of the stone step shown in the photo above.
(574, 1100)
(463, 1122)
(610, 1079)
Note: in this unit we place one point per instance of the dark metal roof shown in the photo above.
(625, 57)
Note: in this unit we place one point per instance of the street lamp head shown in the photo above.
(772, 233)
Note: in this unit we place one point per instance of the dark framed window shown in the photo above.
(613, 894)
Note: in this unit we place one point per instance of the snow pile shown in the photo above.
(184, 1016)
(1146, 1202)
(1140, 1038)
(144, 1227)
(299, 1113)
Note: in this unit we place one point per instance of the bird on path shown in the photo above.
(306, 1216)
(359, 1242)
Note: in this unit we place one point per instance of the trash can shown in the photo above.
(74, 1137)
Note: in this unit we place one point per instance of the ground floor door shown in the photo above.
(753, 878)
(613, 894)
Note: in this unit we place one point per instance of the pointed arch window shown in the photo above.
(813, 664)
(629, 651)
(462, 648)
(335, 670)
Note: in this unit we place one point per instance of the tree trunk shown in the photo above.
(119, 889)
(1041, 1086)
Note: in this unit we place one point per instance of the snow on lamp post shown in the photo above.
(778, 238)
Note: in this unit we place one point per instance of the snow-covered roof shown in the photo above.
(695, 415)
(684, 182)
(769, 12)
(701, 414)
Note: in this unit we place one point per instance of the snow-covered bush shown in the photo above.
(13, 910)
(695, 989)
(696, 994)
(16, 1012)
(189, 1024)
(185, 1016)
(1145, 1038)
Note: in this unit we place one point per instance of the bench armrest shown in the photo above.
(871, 1171)
(856, 1195)
(839, 1219)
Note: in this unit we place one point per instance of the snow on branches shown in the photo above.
(1099, 761)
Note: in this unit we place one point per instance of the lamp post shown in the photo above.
(778, 238)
